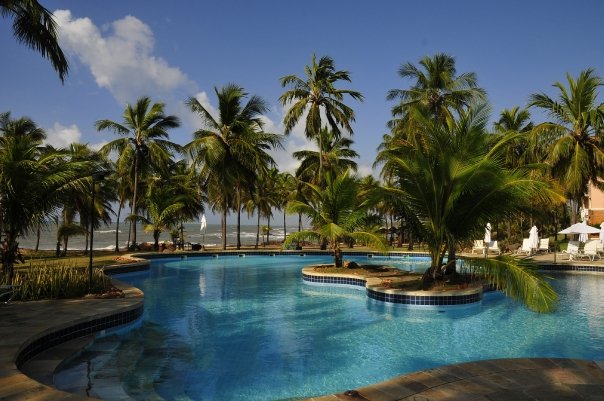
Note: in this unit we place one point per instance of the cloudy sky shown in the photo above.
(121, 50)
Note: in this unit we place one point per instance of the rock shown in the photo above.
(349, 264)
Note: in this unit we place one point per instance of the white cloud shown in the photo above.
(60, 136)
(122, 60)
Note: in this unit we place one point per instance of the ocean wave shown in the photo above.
(107, 231)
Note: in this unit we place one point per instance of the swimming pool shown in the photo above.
(248, 328)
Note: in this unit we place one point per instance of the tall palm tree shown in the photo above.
(335, 213)
(454, 184)
(316, 95)
(437, 88)
(144, 129)
(230, 146)
(35, 26)
(576, 154)
(335, 155)
(516, 122)
(32, 183)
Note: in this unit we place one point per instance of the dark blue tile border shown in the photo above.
(428, 300)
(76, 331)
(578, 268)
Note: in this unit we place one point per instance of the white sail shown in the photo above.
(204, 223)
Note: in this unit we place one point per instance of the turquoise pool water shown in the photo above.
(232, 328)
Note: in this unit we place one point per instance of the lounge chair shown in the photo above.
(572, 250)
(478, 246)
(493, 247)
(543, 245)
(590, 250)
(525, 248)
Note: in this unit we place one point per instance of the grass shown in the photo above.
(73, 258)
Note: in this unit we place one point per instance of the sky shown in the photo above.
(121, 50)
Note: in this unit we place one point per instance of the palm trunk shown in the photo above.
(86, 237)
(239, 228)
(299, 222)
(258, 231)
(156, 234)
(223, 223)
(117, 229)
(38, 238)
(284, 228)
(268, 231)
(135, 194)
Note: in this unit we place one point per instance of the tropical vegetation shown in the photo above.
(445, 171)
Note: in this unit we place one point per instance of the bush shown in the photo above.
(60, 281)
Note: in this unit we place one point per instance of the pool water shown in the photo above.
(249, 328)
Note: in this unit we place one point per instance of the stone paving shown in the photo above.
(23, 323)
(537, 379)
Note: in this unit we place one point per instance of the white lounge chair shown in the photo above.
(543, 245)
(590, 250)
(572, 250)
(493, 247)
(478, 246)
(525, 248)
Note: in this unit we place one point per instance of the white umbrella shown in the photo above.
(602, 232)
(580, 228)
(534, 237)
(487, 234)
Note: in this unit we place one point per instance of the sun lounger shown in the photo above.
(572, 250)
(493, 247)
(590, 250)
(478, 246)
(543, 245)
(525, 248)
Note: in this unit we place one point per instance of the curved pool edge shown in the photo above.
(538, 379)
(30, 328)
(375, 289)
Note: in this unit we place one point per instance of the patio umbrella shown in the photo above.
(602, 232)
(487, 234)
(534, 237)
(582, 229)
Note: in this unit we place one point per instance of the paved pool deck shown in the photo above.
(535, 379)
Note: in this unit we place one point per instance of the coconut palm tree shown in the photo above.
(457, 181)
(437, 89)
(230, 146)
(32, 183)
(336, 213)
(35, 26)
(144, 129)
(316, 95)
(335, 155)
(576, 154)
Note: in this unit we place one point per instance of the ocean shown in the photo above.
(104, 237)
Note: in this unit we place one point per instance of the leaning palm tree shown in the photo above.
(144, 129)
(32, 183)
(35, 26)
(453, 185)
(230, 149)
(576, 154)
(336, 213)
(316, 95)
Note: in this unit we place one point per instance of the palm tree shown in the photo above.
(32, 183)
(315, 95)
(230, 146)
(35, 26)
(145, 130)
(335, 155)
(336, 214)
(516, 122)
(436, 89)
(576, 154)
(453, 184)
(164, 208)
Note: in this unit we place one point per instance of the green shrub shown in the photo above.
(57, 281)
